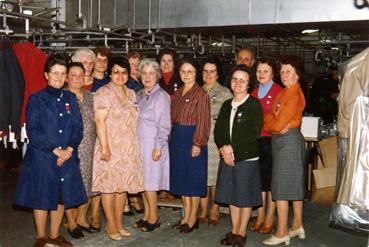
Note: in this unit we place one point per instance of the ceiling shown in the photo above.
(271, 27)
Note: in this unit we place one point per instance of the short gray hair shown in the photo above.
(82, 53)
(149, 62)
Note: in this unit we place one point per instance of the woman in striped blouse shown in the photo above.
(188, 145)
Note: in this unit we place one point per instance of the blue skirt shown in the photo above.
(188, 175)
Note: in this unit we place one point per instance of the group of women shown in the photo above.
(222, 147)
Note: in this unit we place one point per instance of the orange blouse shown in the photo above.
(287, 109)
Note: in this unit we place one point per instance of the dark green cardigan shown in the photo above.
(246, 128)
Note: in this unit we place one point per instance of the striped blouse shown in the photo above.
(193, 109)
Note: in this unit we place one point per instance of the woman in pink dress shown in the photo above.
(117, 163)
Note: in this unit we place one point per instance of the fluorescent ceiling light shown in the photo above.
(310, 31)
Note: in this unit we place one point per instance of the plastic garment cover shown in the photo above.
(352, 207)
(355, 83)
(351, 210)
(354, 188)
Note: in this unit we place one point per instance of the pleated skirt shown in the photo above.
(288, 174)
(188, 175)
(239, 185)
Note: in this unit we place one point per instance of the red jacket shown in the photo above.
(32, 61)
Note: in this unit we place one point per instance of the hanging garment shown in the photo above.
(352, 208)
(32, 61)
(355, 83)
(355, 181)
(12, 87)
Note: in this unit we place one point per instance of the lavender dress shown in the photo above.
(154, 126)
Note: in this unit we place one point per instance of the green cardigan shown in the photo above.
(247, 125)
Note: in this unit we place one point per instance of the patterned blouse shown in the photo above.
(193, 108)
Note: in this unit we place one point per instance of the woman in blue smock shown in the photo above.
(50, 179)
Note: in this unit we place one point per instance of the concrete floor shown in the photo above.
(17, 228)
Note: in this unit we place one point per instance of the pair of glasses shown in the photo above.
(235, 80)
(101, 60)
(118, 71)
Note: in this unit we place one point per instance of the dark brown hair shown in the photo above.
(103, 51)
(245, 68)
(296, 62)
(268, 61)
(166, 51)
(134, 54)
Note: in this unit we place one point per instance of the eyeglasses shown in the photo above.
(101, 60)
(57, 74)
(187, 72)
(120, 71)
(235, 80)
(209, 71)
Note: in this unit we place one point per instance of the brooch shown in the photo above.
(278, 106)
(214, 98)
(239, 116)
(67, 107)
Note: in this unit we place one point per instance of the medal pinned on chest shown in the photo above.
(67, 108)
(214, 98)
(239, 116)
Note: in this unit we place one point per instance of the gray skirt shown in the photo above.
(239, 185)
(288, 174)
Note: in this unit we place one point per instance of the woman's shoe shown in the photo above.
(59, 241)
(298, 232)
(89, 229)
(76, 233)
(201, 219)
(273, 240)
(239, 241)
(125, 232)
(138, 208)
(266, 229)
(140, 223)
(256, 226)
(128, 210)
(228, 240)
(178, 225)
(129, 213)
(114, 236)
(40, 242)
(212, 222)
(187, 229)
(151, 227)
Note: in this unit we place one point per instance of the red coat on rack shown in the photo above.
(32, 61)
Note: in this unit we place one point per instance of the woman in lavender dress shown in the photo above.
(154, 126)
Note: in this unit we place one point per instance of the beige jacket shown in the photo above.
(355, 83)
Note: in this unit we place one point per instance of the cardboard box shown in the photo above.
(319, 162)
(324, 195)
(329, 152)
(325, 177)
